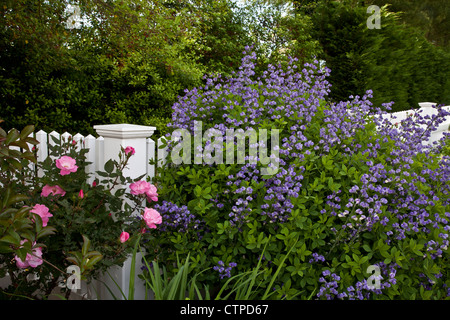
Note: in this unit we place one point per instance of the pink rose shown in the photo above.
(31, 260)
(139, 187)
(42, 211)
(124, 236)
(54, 190)
(129, 150)
(81, 194)
(152, 218)
(66, 164)
(152, 193)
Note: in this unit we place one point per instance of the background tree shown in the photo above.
(125, 62)
(430, 17)
(277, 33)
(223, 36)
(396, 62)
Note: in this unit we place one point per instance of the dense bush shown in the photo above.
(353, 193)
(21, 229)
(111, 71)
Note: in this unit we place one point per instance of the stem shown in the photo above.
(52, 265)
(338, 239)
(119, 169)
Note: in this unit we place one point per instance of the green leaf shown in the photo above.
(48, 230)
(12, 136)
(86, 245)
(26, 131)
(11, 238)
(198, 191)
(93, 260)
(16, 198)
(109, 166)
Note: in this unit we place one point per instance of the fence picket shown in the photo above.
(150, 156)
(90, 144)
(52, 142)
(162, 153)
(79, 141)
(66, 137)
(100, 153)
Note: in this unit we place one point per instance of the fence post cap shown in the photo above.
(124, 131)
(427, 104)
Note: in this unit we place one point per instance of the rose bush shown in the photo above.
(362, 203)
(91, 222)
(21, 225)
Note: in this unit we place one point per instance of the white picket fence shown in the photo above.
(107, 146)
(426, 109)
(111, 136)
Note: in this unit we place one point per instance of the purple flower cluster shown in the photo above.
(389, 186)
(329, 286)
(177, 218)
(241, 102)
(362, 290)
(316, 258)
(224, 271)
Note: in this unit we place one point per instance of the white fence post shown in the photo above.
(116, 136)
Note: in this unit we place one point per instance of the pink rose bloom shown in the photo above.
(129, 149)
(54, 190)
(81, 194)
(152, 218)
(42, 211)
(139, 187)
(66, 164)
(152, 193)
(124, 236)
(31, 260)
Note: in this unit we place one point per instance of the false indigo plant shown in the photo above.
(353, 190)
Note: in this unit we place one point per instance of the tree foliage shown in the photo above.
(124, 62)
(431, 17)
(396, 62)
(127, 61)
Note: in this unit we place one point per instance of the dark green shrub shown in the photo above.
(396, 62)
